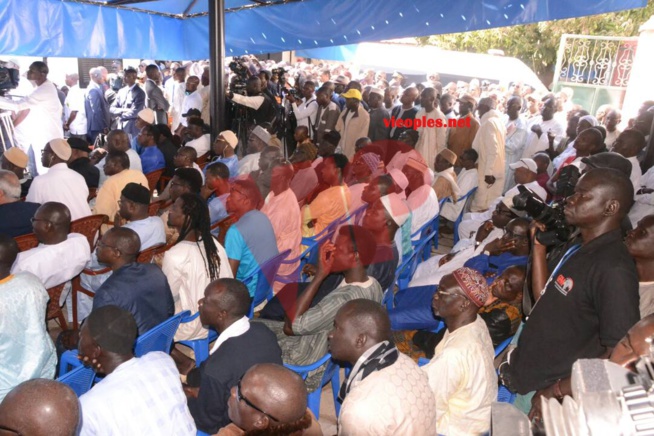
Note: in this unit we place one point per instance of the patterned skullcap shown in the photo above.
(473, 284)
(372, 160)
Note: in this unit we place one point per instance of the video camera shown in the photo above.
(240, 67)
(9, 78)
(553, 217)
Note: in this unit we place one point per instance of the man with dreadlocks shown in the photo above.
(194, 261)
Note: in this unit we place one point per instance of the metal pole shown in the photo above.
(216, 62)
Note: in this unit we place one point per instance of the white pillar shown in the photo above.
(641, 87)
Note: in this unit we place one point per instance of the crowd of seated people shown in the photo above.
(351, 198)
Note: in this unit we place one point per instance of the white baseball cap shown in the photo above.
(530, 164)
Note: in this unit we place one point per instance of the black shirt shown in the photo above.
(90, 172)
(588, 306)
(15, 218)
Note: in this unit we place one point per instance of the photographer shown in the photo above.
(37, 117)
(306, 111)
(262, 108)
(590, 299)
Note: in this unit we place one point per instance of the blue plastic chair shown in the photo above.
(330, 375)
(467, 198)
(200, 347)
(201, 433)
(160, 338)
(265, 278)
(407, 268)
(79, 379)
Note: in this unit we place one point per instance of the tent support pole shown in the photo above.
(217, 58)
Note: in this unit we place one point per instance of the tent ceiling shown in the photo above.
(88, 28)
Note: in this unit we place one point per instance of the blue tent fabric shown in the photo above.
(64, 28)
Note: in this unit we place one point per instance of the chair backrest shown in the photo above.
(265, 278)
(79, 379)
(26, 242)
(303, 371)
(54, 309)
(89, 227)
(153, 177)
(466, 206)
(204, 159)
(159, 338)
(146, 256)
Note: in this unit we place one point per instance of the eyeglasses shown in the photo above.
(240, 397)
(512, 235)
(101, 243)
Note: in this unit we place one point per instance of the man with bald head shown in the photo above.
(516, 137)
(138, 395)
(140, 288)
(270, 399)
(27, 351)
(40, 408)
(240, 345)
(386, 392)
(60, 183)
(192, 99)
(15, 214)
(60, 255)
(432, 140)
(593, 291)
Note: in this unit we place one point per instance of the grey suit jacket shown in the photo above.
(155, 100)
(327, 121)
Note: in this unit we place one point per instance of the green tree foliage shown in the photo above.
(537, 44)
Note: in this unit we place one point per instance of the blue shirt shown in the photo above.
(492, 266)
(140, 288)
(231, 162)
(251, 241)
(152, 159)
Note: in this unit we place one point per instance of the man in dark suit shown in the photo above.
(154, 98)
(407, 111)
(98, 117)
(240, 345)
(128, 103)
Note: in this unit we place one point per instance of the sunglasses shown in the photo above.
(240, 397)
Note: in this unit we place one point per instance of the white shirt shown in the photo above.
(238, 328)
(395, 400)
(63, 185)
(201, 145)
(467, 179)
(42, 124)
(306, 112)
(432, 140)
(636, 172)
(191, 101)
(536, 144)
(424, 207)
(178, 90)
(644, 203)
(75, 102)
(57, 263)
(142, 396)
(151, 231)
(463, 379)
(248, 164)
(184, 266)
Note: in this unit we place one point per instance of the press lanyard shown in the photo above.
(568, 254)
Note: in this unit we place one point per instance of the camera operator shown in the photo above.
(590, 299)
(261, 107)
(37, 117)
(306, 111)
